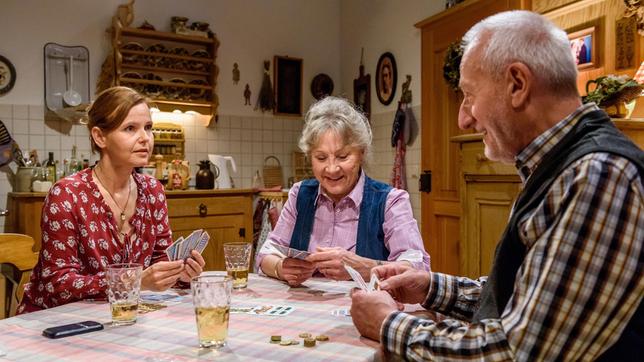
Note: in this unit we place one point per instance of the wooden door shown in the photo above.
(440, 208)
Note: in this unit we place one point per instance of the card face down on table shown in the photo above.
(181, 248)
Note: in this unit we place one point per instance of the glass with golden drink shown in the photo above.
(123, 289)
(237, 257)
(211, 298)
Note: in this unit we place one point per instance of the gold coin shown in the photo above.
(305, 335)
(276, 338)
(322, 337)
(295, 342)
(309, 342)
(285, 343)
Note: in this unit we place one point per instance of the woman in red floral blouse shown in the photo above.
(106, 214)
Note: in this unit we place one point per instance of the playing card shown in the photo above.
(181, 248)
(203, 242)
(272, 310)
(171, 250)
(286, 252)
(370, 287)
(190, 243)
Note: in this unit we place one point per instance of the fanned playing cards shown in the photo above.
(286, 252)
(181, 247)
(367, 287)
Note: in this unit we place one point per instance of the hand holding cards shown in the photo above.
(181, 248)
(286, 252)
(373, 282)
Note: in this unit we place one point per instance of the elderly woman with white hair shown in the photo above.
(341, 216)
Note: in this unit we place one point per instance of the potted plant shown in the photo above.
(612, 93)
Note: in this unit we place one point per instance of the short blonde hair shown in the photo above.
(340, 116)
(110, 109)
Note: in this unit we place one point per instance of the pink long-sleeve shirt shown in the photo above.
(338, 226)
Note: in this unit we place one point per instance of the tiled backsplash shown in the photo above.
(247, 139)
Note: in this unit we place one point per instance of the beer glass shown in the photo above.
(123, 288)
(211, 299)
(237, 257)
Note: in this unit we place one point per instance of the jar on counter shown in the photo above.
(24, 177)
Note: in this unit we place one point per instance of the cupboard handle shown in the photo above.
(203, 210)
(481, 157)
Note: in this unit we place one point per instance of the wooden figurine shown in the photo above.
(247, 95)
(235, 73)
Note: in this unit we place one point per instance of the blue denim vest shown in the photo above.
(370, 241)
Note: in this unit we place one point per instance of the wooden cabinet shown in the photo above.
(176, 71)
(227, 215)
(25, 209)
(488, 192)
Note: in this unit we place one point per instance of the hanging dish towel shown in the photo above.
(399, 136)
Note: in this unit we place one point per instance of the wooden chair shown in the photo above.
(16, 250)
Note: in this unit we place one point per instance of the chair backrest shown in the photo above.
(17, 250)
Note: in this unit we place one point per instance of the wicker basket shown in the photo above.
(301, 166)
(273, 175)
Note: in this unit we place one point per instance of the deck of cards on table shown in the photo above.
(181, 247)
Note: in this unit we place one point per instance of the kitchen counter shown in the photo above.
(227, 215)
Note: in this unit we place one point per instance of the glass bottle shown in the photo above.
(51, 168)
(74, 164)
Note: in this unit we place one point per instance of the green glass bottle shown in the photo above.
(51, 168)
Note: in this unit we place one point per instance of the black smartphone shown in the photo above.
(72, 329)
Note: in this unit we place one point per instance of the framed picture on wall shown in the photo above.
(583, 45)
(386, 78)
(288, 85)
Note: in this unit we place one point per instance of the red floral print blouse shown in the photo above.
(80, 239)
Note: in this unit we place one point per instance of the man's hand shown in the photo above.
(295, 271)
(405, 284)
(161, 275)
(193, 267)
(369, 310)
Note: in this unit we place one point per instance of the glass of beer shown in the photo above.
(123, 288)
(211, 298)
(237, 257)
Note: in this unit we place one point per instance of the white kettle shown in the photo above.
(224, 181)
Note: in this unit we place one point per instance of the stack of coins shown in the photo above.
(309, 342)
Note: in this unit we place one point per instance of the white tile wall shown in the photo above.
(247, 139)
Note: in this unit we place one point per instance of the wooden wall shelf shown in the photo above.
(178, 72)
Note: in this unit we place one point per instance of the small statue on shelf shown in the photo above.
(147, 26)
(235, 73)
(125, 13)
(247, 95)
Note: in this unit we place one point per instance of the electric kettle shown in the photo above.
(224, 180)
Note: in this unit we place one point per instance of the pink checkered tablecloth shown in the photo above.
(170, 334)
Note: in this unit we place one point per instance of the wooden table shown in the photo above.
(170, 334)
